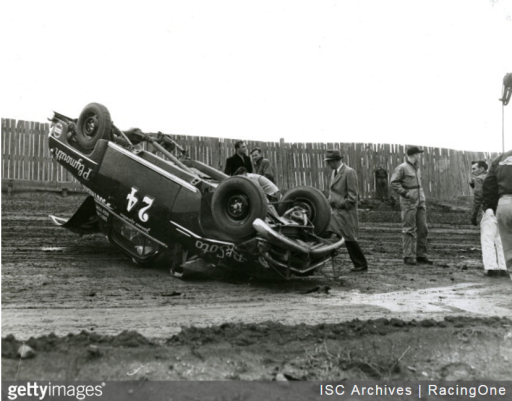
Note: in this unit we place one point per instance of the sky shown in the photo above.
(424, 72)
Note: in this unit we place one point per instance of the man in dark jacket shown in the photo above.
(343, 192)
(381, 183)
(239, 159)
(497, 196)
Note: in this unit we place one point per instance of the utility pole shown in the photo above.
(505, 98)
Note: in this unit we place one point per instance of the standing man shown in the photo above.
(343, 192)
(497, 194)
(406, 180)
(261, 166)
(381, 183)
(492, 250)
(239, 159)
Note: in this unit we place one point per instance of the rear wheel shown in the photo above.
(93, 124)
(312, 201)
(236, 203)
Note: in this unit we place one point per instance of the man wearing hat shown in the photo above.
(406, 181)
(343, 191)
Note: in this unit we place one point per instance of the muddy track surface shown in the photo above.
(57, 282)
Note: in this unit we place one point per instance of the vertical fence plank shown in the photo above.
(20, 127)
(439, 166)
(458, 174)
(291, 166)
(48, 161)
(37, 138)
(16, 154)
(387, 163)
(323, 169)
(6, 148)
(12, 146)
(313, 157)
(215, 152)
(319, 155)
(26, 150)
(300, 166)
(281, 165)
(440, 179)
(427, 173)
(222, 154)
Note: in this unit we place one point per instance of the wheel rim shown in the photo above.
(308, 208)
(90, 126)
(237, 207)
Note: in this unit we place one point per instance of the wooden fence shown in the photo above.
(446, 172)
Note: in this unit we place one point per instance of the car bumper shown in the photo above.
(273, 237)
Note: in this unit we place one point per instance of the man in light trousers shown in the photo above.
(497, 196)
(492, 250)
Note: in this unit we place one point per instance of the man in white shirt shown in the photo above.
(270, 189)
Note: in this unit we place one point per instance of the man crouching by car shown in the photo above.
(343, 191)
(270, 189)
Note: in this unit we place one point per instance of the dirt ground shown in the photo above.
(89, 312)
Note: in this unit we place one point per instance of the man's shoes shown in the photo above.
(424, 260)
(497, 273)
(359, 269)
(178, 272)
(409, 261)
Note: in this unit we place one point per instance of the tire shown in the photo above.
(93, 124)
(313, 201)
(236, 203)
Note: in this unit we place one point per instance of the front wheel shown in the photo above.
(236, 203)
(93, 124)
(312, 201)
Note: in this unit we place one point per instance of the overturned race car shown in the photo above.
(170, 209)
